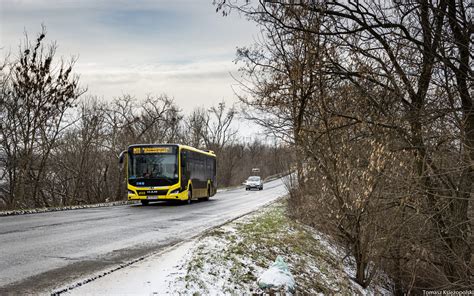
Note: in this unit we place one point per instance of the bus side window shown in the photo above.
(183, 160)
(198, 167)
(184, 169)
(201, 167)
(208, 168)
(192, 164)
(214, 167)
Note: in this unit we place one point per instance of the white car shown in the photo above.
(254, 182)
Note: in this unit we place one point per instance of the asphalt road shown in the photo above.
(42, 252)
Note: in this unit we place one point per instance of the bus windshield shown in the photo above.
(153, 166)
(153, 169)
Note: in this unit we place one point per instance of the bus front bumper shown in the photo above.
(171, 195)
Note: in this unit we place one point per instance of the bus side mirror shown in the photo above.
(122, 156)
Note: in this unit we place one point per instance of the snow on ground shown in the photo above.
(155, 275)
(228, 260)
(65, 208)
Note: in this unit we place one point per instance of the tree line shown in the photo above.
(60, 146)
(376, 99)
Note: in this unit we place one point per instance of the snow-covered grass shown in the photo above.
(228, 260)
(65, 208)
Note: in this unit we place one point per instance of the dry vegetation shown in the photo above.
(376, 98)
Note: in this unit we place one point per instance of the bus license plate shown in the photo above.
(152, 197)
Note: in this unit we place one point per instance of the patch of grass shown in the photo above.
(254, 245)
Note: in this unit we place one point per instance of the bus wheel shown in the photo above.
(144, 202)
(190, 195)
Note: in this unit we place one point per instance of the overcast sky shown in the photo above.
(179, 47)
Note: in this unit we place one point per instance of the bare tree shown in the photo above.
(80, 172)
(196, 125)
(219, 130)
(220, 138)
(412, 65)
(33, 109)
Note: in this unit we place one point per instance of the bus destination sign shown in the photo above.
(149, 150)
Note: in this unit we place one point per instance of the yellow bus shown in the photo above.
(169, 172)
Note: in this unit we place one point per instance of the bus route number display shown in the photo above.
(148, 150)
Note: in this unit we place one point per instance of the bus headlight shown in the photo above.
(131, 192)
(176, 191)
